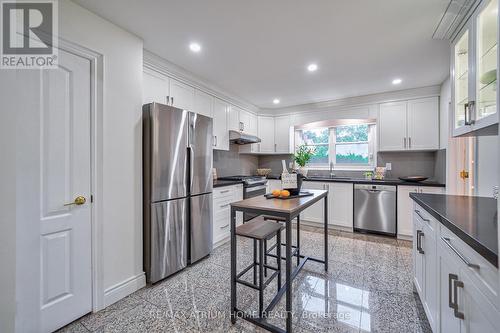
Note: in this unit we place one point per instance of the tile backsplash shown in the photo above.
(429, 164)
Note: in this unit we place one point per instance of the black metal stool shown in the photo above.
(296, 247)
(260, 231)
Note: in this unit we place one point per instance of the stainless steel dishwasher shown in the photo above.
(375, 208)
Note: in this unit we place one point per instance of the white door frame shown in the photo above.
(96, 160)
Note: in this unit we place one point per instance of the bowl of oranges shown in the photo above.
(281, 193)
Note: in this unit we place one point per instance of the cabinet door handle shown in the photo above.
(423, 218)
(224, 226)
(456, 284)
(447, 241)
(409, 142)
(275, 147)
(222, 206)
(172, 101)
(168, 100)
(451, 277)
(404, 142)
(419, 242)
(225, 191)
(468, 119)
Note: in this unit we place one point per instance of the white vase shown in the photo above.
(302, 171)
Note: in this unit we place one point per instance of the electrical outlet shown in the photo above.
(388, 166)
(290, 165)
(495, 192)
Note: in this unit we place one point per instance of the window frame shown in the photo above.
(332, 144)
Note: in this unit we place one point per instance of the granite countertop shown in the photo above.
(365, 181)
(472, 219)
(220, 183)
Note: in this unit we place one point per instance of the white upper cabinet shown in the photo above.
(234, 118)
(423, 124)
(203, 103)
(409, 125)
(181, 95)
(266, 134)
(282, 135)
(221, 133)
(392, 126)
(247, 122)
(475, 71)
(155, 88)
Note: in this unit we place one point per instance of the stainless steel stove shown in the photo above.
(253, 186)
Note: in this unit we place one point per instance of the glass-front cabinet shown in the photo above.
(475, 71)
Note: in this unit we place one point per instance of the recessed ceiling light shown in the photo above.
(312, 67)
(195, 47)
(276, 101)
(397, 81)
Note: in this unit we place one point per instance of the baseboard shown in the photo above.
(124, 288)
(405, 237)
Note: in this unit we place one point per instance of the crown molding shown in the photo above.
(156, 63)
(390, 96)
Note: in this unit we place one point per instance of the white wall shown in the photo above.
(7, 202)
(444, 109)
(487, 165)
(122, 140)
(121, 183)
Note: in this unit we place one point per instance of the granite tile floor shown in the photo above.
(368, 288)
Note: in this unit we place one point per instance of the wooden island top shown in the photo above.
(281, 207)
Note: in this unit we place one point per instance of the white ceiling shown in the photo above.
(259, 49)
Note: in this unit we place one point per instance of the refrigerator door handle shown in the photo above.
(191, 164)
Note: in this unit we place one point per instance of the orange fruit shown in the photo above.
(276, 193)
(285, 193)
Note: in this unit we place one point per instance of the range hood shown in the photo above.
(242, 138)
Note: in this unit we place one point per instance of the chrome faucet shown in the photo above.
(332, 169)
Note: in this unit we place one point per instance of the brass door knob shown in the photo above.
(79, 200)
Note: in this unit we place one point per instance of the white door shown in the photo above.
(392, 126)
(181, 95)
(340, 205)
(65, 228)
(418, 260)
(266, 134)
(314, 213)
(430, 276)
(221, 134)
(155, 88)
(423, 124)
(282, 134)
(405, 210)
(203, 103)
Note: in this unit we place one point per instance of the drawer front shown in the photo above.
(228, 191)
(221, 224)
(484, 275)
(427, 219)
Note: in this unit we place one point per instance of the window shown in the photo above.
(351, 145)
(347, 146)
(317, 139)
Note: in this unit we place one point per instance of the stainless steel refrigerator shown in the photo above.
(177, 181)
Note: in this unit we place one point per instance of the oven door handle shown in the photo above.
(255, 188)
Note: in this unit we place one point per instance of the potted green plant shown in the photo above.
(302, 156)
(368, 175)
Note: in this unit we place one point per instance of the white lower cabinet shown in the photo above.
(340, 205)
(314, 213)
(223, 197)
(456, 297)
(405, 207)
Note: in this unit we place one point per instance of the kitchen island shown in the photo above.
(288, 209)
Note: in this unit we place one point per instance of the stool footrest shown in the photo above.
(274, 246)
